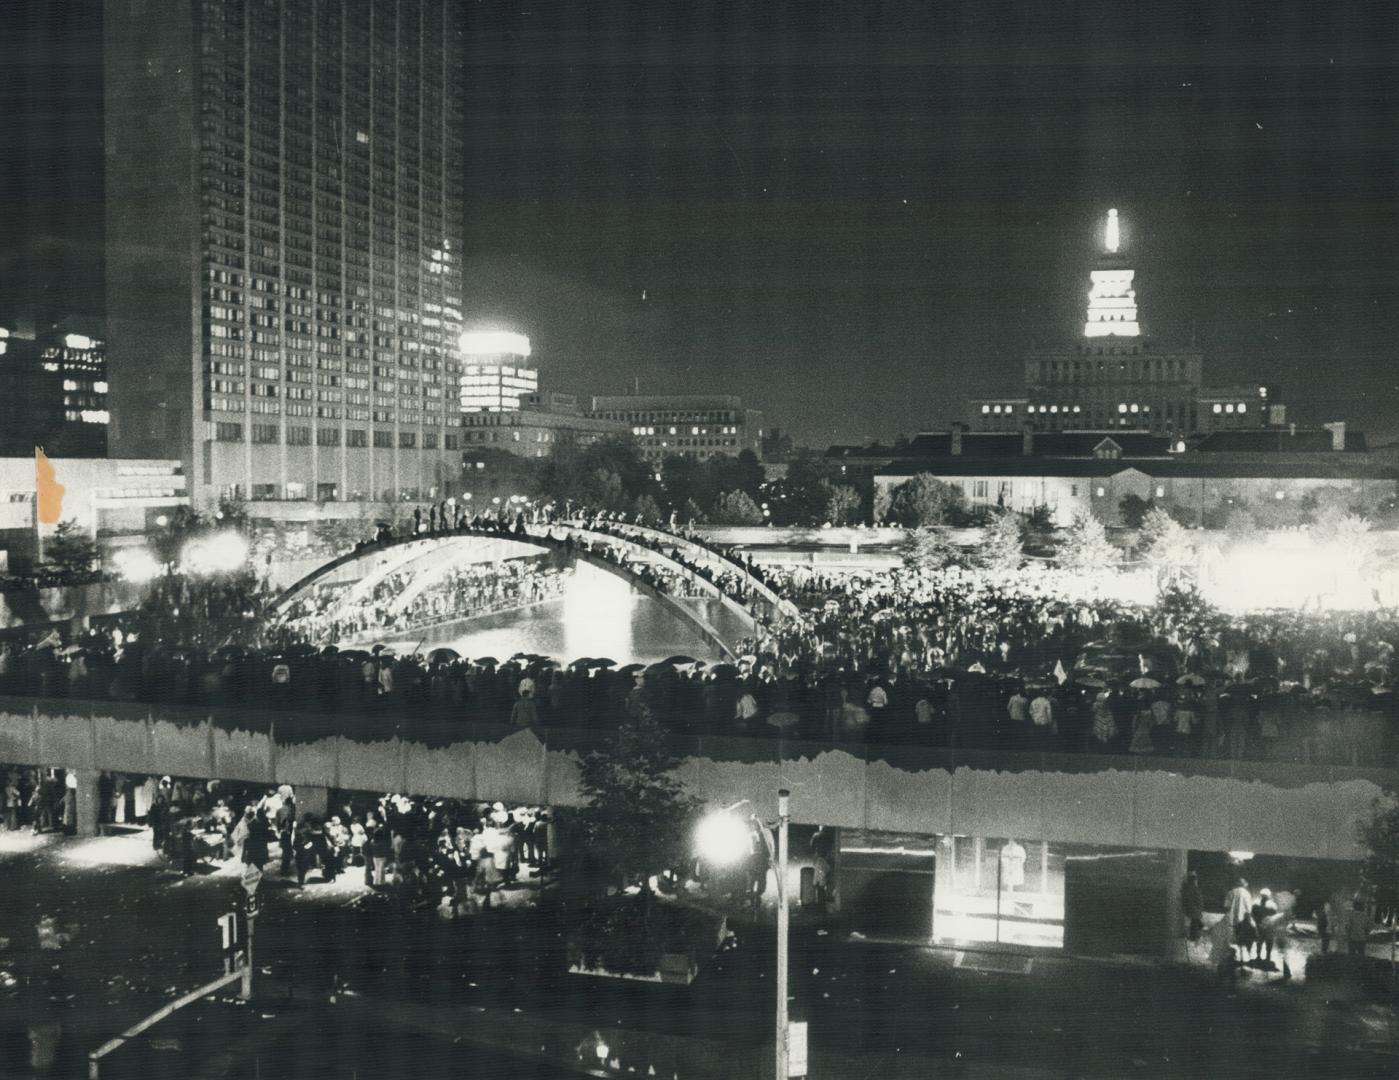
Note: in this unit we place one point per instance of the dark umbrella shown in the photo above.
(679, 660)
(443, 655)
(602, 662)
(631, 669)
(330, 650)
(724, 670)
(581, 662)
(486, 661)
(300, 648)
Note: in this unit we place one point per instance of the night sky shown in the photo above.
(857, 214)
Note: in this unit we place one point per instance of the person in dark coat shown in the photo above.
(1192, 905)
(257, 847)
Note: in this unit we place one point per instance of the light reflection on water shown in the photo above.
(598, 616)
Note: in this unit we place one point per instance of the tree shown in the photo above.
(883, 501)
(1002, 549)
(925, 500)
(928, 549)
(646, 511)
(692, 514)
(842, 504)
(1085, 545)
(1165, 544)
(1131, 509)
(736, 508)
(637, 820)
(71, 550)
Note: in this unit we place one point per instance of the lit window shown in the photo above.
(1010, 408)
(1078, 409)
(1054, 408)
(1229, 408)
(1101, 492)
(1280, 494)
(1135, 408)
(1160, 492)
(1243, 407)
(996, 409)
(1121, 407)
(986, 408)
(1218, 407)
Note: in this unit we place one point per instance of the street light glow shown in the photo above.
(136, 565)
(723, 838)
(220, 553)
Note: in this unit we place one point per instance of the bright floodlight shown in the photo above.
(723, 838)
(493, 343)
(1113, 237)
(136, 565)
(220, 553)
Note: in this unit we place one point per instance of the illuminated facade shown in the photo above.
(1115, 377)
(285, 223)
(536, 424)
(55, 394)
(496, 371)
(684, 425)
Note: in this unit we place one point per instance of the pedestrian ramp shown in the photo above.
(1000, 963)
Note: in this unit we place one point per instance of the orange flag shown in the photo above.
(48, 492)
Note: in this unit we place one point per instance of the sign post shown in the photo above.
(252, 878)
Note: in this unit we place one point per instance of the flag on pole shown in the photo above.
(48, 492)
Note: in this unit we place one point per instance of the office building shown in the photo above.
(1117, 377)
(536, 424)
(684, 425)
(496, 371)
(284, 236)
(54, 394)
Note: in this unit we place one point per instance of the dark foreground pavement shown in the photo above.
(141, 934)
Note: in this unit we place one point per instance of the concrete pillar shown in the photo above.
(1174, 878)
(311, 800)
(86, 801)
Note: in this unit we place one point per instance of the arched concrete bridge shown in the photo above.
(706, 556)
(429, 558)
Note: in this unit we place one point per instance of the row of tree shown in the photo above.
(723, 490)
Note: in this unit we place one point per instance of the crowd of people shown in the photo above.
(449, 852)
(337, 612)
(954, 657)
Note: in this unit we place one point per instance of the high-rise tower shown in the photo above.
(284, 235)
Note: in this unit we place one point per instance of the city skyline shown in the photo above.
(807, 211)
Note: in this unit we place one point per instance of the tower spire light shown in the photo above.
(1113, 237)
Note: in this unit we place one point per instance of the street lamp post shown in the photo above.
(725, 839)
(783, 1029)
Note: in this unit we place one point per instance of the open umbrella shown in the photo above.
(1144, 684)
(631, 669)
(724, 670)
(1190, 679)
(486, 661)
(330, 650)
(1090, 681)
(443, 655)
(679, 660)
(581, 662)
(601, 662)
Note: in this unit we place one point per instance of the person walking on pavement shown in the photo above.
(1238, 906)
(1263, 910)
(286, 824)
(1192, 905)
